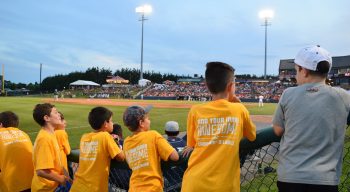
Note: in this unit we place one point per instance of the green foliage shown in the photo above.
(99, 76)
(261, 183)
(62, 81)
(345, 178)
(267, 182)
(95, 74)
(13, 86)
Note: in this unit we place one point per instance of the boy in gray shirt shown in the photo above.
(311, 118)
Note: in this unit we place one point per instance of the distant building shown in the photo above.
(116, 80)
(339, 74)
(286, 70)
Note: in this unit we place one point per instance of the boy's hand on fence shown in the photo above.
(187, 151)
(62, 180)
(68, 179)
(66, 176)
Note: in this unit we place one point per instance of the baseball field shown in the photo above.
(76, 113)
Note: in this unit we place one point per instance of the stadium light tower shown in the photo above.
(144, 9)
(266, 15)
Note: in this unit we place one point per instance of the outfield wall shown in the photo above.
(176, 98)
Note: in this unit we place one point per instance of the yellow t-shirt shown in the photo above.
(46, 155)
(143, 152)
(215, 129)
(63, 143)
(16, 163)
(96, 151)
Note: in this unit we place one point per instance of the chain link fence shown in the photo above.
(259, 160)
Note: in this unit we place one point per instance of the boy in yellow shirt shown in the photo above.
(16, 165)
(96, 151)
(63, 142)
(214, 130)
(143, 151)
(46, 153)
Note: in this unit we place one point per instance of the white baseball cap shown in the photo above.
(310, 56)
(171, 126)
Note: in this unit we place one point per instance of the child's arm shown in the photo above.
(249, 128)
(187, 151)
(278, 130)
(120, 156)
(191, 142)
(48, 174)
(165, 150)
(113, 148)
(174, 156)
(65, 143)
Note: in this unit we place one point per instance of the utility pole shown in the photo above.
(3, 79)
(41, 66)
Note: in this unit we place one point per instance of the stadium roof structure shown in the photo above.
(251, 81)
(337, 62)
(190, 80)
(342, 61)
(83, 83)
(286, 64)
(116, 80)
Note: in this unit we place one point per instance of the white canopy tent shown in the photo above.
(83, 84)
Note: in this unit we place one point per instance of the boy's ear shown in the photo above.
(230, 87)
(304, 72)
(105, 124)
(46, 118)
(141, 123)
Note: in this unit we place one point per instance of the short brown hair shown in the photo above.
(9, 119)
(40, 111)
(218, 75)
(61, 115)
(98, 116)
(132, 116)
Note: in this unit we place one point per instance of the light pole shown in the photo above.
(266, 15)
(144, 9)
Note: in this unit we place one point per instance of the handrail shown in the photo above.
(264, 137)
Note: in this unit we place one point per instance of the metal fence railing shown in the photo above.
(259, 161)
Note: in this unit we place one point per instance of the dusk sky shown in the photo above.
(180, 37)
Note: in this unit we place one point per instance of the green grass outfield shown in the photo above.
(76, 115)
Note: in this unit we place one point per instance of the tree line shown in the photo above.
(99, 75)
(95, 74)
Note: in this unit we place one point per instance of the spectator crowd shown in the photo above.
(244, 90)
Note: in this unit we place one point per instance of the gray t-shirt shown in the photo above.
(314, 118)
